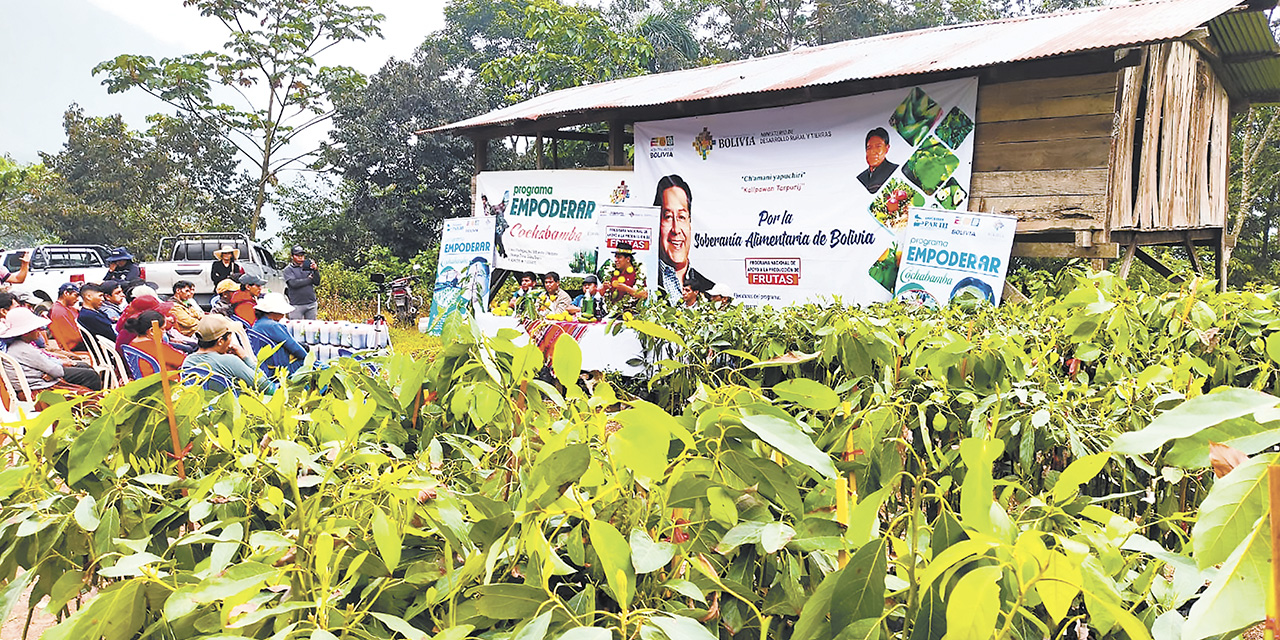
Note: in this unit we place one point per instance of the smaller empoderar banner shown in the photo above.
(548, 220)
(462, 276)
(634, 225)
(951, 254)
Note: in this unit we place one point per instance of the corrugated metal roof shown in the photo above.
(1249, 53)
(958, 47)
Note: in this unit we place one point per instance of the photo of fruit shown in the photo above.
(954, 128)
(885, 269)
(894, 201)
(951, 195)
(930, 165)
(915, 116)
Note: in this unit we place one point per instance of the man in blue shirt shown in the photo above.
(217, 352)
(91, 316)
(271, 309)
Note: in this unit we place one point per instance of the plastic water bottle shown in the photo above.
(313, 332)
(325, 333)
(348, 334)
(381, 339)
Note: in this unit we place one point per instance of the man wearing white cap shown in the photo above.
(271, 309)
(22, 329)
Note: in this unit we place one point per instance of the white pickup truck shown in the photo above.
(189, 256)
(52, 265)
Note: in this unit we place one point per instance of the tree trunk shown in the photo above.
(1252, 145)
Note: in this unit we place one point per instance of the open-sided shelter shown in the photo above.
(1103, 130)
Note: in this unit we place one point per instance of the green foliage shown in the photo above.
(269, 55)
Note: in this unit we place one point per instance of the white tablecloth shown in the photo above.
(600, 351)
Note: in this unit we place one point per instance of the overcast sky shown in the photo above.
(50, 47)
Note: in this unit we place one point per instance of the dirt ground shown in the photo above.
(11, 628)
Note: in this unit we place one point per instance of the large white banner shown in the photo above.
(636, 226)
(462, 274)
(548, 220)
(790, 204)
(949, 254)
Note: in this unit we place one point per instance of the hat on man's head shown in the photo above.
(298, 250)
(21, 321)
(226, 285)
(273, 303)
(226, 248)
(68, 286)
(212, 327)
(118, 253)
(249, 279)
(590, 279)
(623, 249)
(143, 291)
(25, 297)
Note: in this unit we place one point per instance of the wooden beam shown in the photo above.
(1191, 254)
(1011, 294)
(1158, 266)
(584, 136)
(1127, 263)
(1108, 251)
(537, 145)
(1204, 236)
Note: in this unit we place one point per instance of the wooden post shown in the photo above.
(178, 451)
(1273, 610)
(537, 146)
(617, 144)
(482, 154)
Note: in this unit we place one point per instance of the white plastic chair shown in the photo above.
(101, 364)
(15, 389)
(113, 359)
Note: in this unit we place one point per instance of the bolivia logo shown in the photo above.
(620, 193)
(702, 144)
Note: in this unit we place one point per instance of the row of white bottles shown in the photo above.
(350, 335)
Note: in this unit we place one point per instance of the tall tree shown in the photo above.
(403, 184)
(269, 61)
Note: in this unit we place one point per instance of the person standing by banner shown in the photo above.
(675, 231)
(625, 284)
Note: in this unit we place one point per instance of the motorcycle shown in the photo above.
(402, 301)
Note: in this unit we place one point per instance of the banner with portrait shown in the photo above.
(954, 254)
(548, 220)
(790, 204)
(462, 273)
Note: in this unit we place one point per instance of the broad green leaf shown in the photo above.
(508, 601)
(931, 619)
(686, 589)
(554, 471)
(1130, 623)
(771, 480)
(536, 629)
(681, 628)
(12, 593)
(236, 580)
(647, 413)
(615, 560)
(460, 632)
(973, 604)
(813, 616)
(402, 627)
(647, 555)
(864, 517)
(1077, 473)
(976, 493)
(656, 331)
(86, 513)
(641, 447)
(1229, 513)
(860, 592)
(775, 535)
(387, 538)
(1191, 417)
(91, 448)
(807, 393)
(1245, 434)
(117, 613)
(791, 441)
(722, 508)
(11, 480)
(865, 629)
(566, 360)
(1059, 585)
(743, 533)
(259, 615)
(586, 633)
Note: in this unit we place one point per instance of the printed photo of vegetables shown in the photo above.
(930, 165)
(954, 128)
(894, 202)
(885, 268)
(915, 116)
(951, 195)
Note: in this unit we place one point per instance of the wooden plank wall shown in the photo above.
(1174, 118)
(1042, 151)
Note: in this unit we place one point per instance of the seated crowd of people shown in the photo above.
(621, 290)
(48, 341)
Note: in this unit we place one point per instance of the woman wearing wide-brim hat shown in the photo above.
(21, 330)
(225, 266)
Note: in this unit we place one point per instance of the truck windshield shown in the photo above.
(202, 250)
